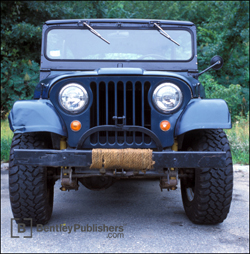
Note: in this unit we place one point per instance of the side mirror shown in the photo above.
(218, 65)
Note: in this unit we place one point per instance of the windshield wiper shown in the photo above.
(95, 32)
(165, 34)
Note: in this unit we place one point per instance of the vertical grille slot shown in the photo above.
(93, 112)
(139, 111)
(129, 110)
(102, 111)
(111, 110)
(129, 99)
(120, 110)
(147, 112)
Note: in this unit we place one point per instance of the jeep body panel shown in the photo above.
(36, 116)
(167, 138)
(204, 114)
(54, 76)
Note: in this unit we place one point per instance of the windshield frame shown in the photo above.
(120, 29)
(190, 65)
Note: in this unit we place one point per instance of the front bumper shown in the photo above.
(83, 158)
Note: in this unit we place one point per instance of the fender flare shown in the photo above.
(204, 114)
(36, 116)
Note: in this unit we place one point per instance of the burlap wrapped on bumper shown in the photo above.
(137, 159)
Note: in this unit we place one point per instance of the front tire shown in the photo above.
(31, 192)
(207, 192)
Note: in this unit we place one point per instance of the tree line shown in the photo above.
(222, 29)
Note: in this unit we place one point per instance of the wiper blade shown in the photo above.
(165, 34)
(95, 32)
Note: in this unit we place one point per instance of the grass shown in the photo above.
(6, 138)
(238, 138)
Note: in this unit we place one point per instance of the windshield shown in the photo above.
(125, 44)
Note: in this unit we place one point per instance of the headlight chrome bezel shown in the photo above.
(83, 107)
(154, 95)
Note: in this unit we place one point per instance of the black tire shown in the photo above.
(31, 193)
(207, 192)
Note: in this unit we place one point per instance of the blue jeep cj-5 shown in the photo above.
(120, 98)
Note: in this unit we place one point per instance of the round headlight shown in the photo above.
(73, 97)
(167, 97)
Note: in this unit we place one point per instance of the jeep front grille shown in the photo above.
(129, 99)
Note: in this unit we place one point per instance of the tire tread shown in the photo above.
(213, 190)
(28, 184)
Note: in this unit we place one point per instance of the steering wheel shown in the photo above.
(153, 55)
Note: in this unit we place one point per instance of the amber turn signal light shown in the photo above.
(75, 125)
(165, 125)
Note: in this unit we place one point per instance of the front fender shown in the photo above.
(36, 116)
(204, 114)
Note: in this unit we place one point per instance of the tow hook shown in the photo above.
(66, 180)
(169, 181)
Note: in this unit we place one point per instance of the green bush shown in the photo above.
(18, 81)
(236, 96)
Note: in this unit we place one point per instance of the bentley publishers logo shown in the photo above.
(25, 229)
(21, 228)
